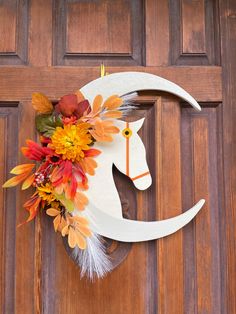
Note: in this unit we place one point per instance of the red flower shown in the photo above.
(66, 176)
(44, 140)
(36, 152)
(54, 159)
(69, 120)
(68, 106)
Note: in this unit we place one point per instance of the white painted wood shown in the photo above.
(127, 230)
(104, 208)
(127, 82)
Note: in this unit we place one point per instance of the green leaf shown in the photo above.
(47, 123)
(68, 204)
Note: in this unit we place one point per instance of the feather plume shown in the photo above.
(128, 103)
(93, 261)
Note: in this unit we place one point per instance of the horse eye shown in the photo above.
(127, 132)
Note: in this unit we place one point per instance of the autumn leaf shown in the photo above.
(115, 103)
(80, 240)
(41, 103)
(52, 212)
(114, 114)
(15, 180)
(97, 104)
(109, 101)
(28, 182)
(72, 241)
(47, 123)
(22, 168)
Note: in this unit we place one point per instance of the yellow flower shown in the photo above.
(46, 193)
(71, 141)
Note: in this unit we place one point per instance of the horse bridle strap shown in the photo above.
(128, 160)
(140, 176)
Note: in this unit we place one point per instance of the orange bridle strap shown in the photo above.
(127, 152)
(140, 176)
(128, 161)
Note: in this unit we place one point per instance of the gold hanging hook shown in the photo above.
(103, 70)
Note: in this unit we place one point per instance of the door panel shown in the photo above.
(55, 47)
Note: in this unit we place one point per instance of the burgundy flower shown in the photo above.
(68, 106)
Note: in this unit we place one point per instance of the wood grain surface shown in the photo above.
(55, 47)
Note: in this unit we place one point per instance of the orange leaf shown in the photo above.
(22, 168)
(82, 221)
(65, 230)
(114, 114)
(56, 222)
(72, 239)
(15, 180)
(109, 100)
(112, 129)
(41, 103)
(115, 103)
(85, 231)
(97, 103)
(93, 152)
(52, 212)
(80, 200)
(102, 138)
(62, 225)
(32, 206)
(28, 182)
(80, 240)
(88, 164)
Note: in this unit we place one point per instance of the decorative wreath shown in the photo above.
(73, 134)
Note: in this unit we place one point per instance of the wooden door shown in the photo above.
(55, 47)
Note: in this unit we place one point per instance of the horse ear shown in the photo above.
(136, 125)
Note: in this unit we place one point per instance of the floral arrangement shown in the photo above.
(65, 156)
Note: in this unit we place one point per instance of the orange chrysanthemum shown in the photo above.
(71, 141)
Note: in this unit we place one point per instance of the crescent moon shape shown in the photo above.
(128, 82)
(126, 230)
(121, 229)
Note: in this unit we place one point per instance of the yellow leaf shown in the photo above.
(28, 182)
(15, 180)
(22, 168)
(97, 103)
(41, 103)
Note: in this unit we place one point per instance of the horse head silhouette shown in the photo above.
(129, 155)
(130, 158)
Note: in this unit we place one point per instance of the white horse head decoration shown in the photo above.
(128, 153)
(131, 154)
